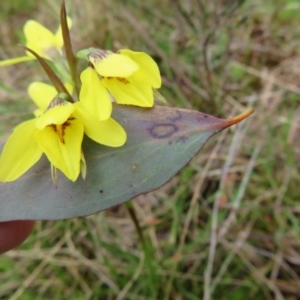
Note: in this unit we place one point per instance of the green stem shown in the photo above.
(138, 228)
(147, 249)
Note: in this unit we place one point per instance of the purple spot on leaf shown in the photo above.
(162, 131)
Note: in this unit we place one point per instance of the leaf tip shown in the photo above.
(232, 121)
(240, 117)
(63, 4)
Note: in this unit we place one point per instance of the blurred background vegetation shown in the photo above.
(227, 226)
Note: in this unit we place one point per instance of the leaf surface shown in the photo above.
(161, 140)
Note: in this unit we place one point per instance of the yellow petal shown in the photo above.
(41, 94)
(149, 71)
(57, 115)
(107, 132)
(16, 60)
(37, 112)
(129, 91)
(64, 155)
(58, 35)
(20, 152)
(109, 64)
(39, 38)
(94, 96)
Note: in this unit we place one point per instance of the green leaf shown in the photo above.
(160, 142)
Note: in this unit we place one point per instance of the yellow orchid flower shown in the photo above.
(129, 76)
(58, 133)
(41, 40)
(36, 89)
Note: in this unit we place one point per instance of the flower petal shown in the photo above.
(20, 152)
(149, 71)
(37, 112)
(38, 37)
(64, 155)
(41, 94)
(58, 35)
(16, 60)
(109, 64)
(107, 132)
(129, 91)
(56, 115)
(94, 96)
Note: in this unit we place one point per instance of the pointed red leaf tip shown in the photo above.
(229, 122)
